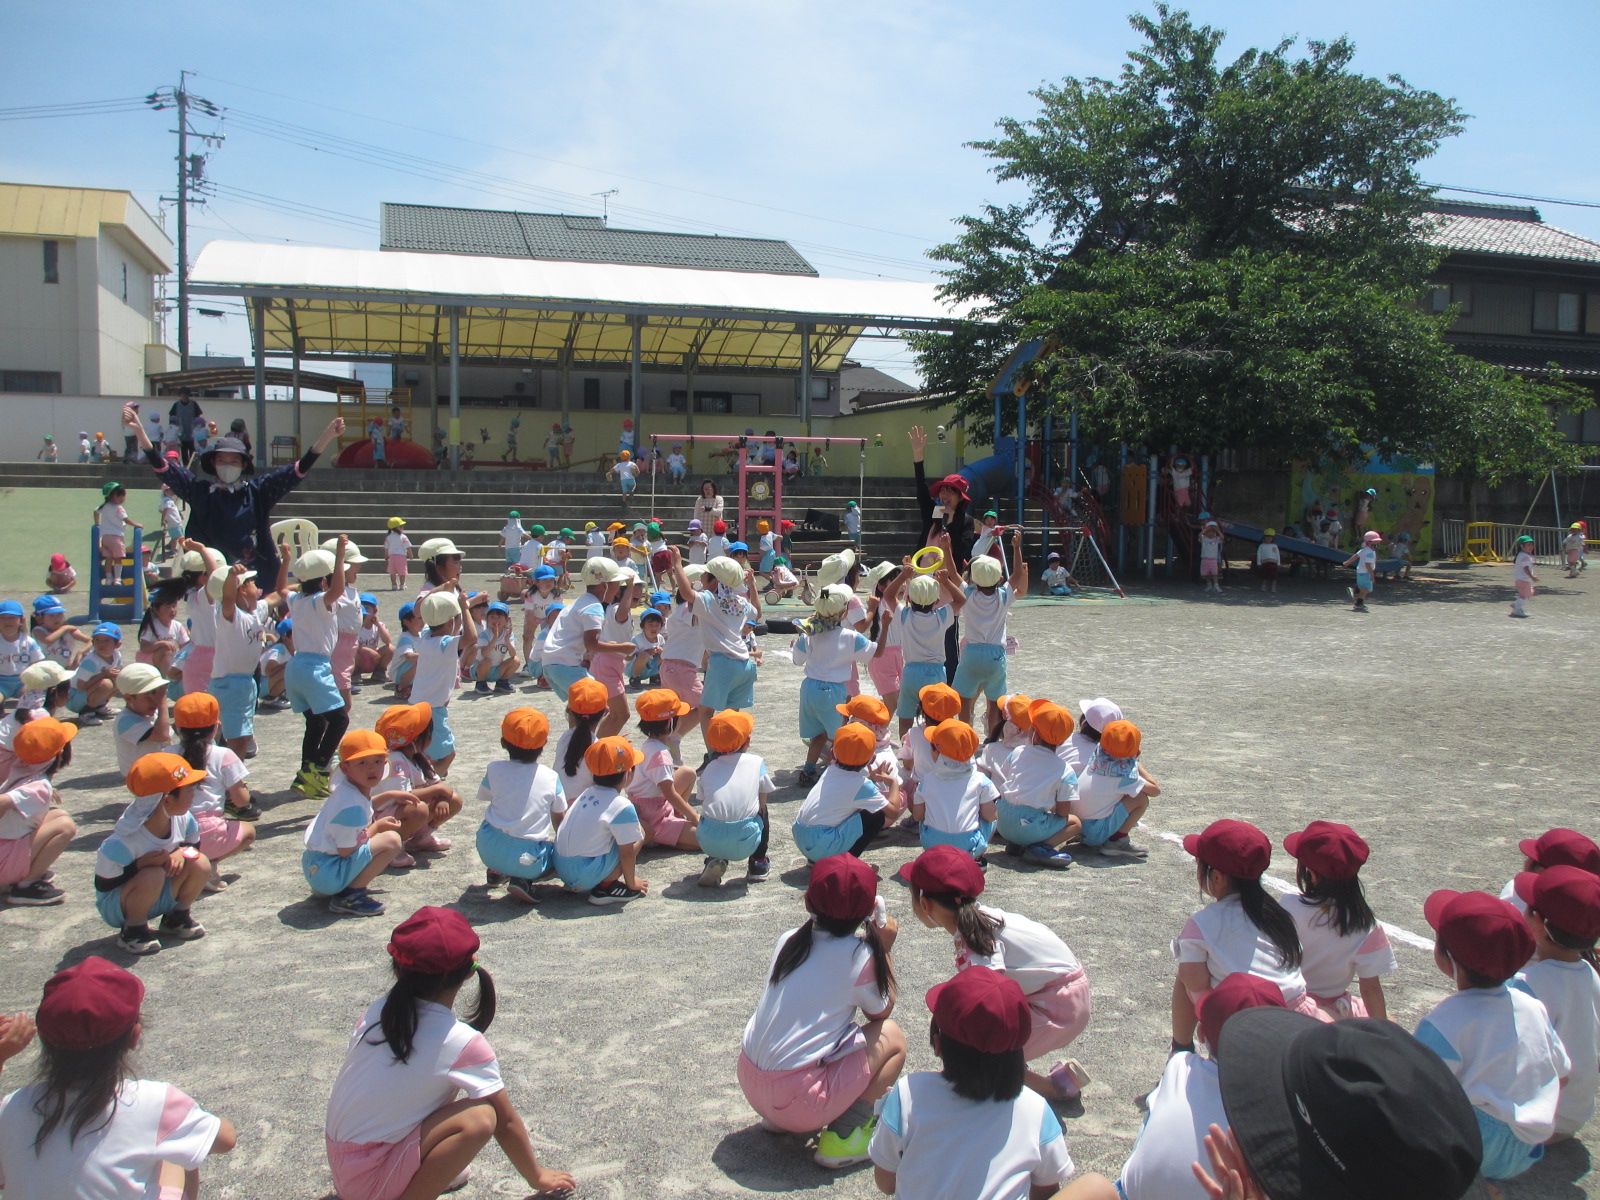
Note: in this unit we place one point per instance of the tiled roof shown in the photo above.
(1510, 231)
(564, 238)
(855, 379)
(1571, 361)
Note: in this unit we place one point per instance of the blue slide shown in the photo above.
(995, 476)
(1250, 533)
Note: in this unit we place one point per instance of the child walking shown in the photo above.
(597, 846)
(1340, 940)
(524, 805)
(346, 847)
(830, 652)
(1522, 577)
(1365, 561)
(733, 790)
(308, 679)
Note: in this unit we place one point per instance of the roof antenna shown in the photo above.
(605, 204)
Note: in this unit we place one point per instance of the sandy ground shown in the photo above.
(1443, 731)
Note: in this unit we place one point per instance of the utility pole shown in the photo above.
(191, 177)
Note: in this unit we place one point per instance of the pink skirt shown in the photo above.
(885, 670)
(609, 669)
(397, 565)
(808, 1098)
(219, 837)
(197, 668)
(343, 660)
(660, 818)
(375, 1170)
(1060, 1013)
(1525, 589)
(682, 677)
(15, 855)
(1341, 1007)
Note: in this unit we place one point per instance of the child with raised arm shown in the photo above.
(982, 668)
(443, 654)
(241, 624)
(308, 679)
(829, 651)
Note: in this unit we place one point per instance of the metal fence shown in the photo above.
(1546, 540)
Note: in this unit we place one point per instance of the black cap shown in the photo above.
(226, 445)
(1354, 1110)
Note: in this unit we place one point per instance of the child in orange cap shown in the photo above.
(222, 798)
(1012, 733)
(660, 792)
(412, 791)
(151, 864)
(524, 805)
(955, 802)
(733, 792)
(845, 809)
(1037, 790)
(347, 847)
(597, 846)
(1114, 791)
(876, 715)
(587, 700)
(936, 702)
(34, 828)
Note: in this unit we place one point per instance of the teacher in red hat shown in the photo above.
(945, 508)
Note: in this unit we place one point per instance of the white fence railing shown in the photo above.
(1546, 540)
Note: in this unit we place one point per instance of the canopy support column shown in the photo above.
(805, 377)
(258, 305)
(297, 348)
(636, 385)
(455, 389)
(690, 361)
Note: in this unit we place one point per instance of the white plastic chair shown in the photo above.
(300, 535)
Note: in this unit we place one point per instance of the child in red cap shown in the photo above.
(1496, 1040)
(1553, 848)
(420, 1091)
(86, 1128)
(805, 1064)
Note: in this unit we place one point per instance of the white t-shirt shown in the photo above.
(238, 643)
(532, 554)
(91, 664)
(600, 818)
(495, 647)
(838, 795)
(716, 545)
(1055, 576)
(514, 535)
(809, 1016)
(224, 769)
(732, 785)
(985, 615)
(942, 1146)
(1026, 951)
(722, 621)
(563, 645)
(17, 656)
(922, 634)
(580, 780)
(404, 775)
(1076, 752)
(1099, 793)
(438, 669)
(647, 778)
(952, 792)
(203, 612)
(618, 623)
(1267, 552)
(132, 743)
(1522, 571)
(341, 823)
(151, 1123)
(537, 602)
(627, 471)
(29, 803)
(1366, 560)
(521, 799)
(1210, 546)
(113, 520)
(1570, 993)
(173, 631)
(396, 543)
(117, 854)
(916, 751)
(833, 654)
(677, 462)
(1034, 776)
(377, 1098)
(1223, 937)
(347, 614)
(316, 629)
(1329, 962)
(681, 635)
(1183, 1107)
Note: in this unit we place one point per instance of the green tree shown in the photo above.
(1229, 254)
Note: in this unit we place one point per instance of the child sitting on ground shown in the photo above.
(524, 805)
(222, 806)
(497, 654)
(346, 847)
(597, 845)
(61, 642)
(96, 677)
(645, 666)
(151, 865)
(1114, 791)
(34, 828)
(848, 806)
(733, 790)
(60, 577)
(955, 802)
(403, 664)
(374, 649)
(1055, 578)
(783, 582)
(830, 652)
(660, 792)
(1553, 848)
(1037, 791)
(412, 790)
(141, 727)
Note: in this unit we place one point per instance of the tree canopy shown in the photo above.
(1230, 254)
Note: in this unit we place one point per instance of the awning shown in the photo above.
(169, 383)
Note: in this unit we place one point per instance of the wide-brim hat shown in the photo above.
(227, 445)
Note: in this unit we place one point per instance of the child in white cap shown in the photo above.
(1211, 556)
(983, 661)
(828, 650)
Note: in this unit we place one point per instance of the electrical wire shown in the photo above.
(86, 108)
(1448, 187)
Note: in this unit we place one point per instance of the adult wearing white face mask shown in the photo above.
(230, 507)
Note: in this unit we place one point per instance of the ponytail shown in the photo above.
(797, 948)
(168, 591)
(976, 928)
(1270, 917)
(400, 1017)
(582, 738)
(194, 743)
(1345, 897)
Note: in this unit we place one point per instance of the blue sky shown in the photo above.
(837, 125)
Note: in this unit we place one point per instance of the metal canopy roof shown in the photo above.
(346, 304)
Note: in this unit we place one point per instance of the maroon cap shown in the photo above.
(1236, 993)
(983, 1009)
(1566, 897)
(433, 941)
(1481, 932)
(1563, 848)
(1235, 848)
(956, 483)
(842, 888)
(946, 871)
(1332, 850)
(89, 1005)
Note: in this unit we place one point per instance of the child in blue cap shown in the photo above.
(497, 651)
(96, 677)
(18, 651)
(60, 642)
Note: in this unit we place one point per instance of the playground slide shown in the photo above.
(1250, 533)
(992, 476)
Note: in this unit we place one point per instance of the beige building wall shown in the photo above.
(38, 320)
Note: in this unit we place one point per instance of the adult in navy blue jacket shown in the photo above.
(230, 507)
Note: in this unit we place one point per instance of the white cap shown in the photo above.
(192, 560)
(601, 570)
(986, 571)
(137, 678)
(832, 600)
(352, 552)
(44, 675)
(434, 547)
(219, 577)
(437, 608)
(313, 564)
(924, 589)
(835, 567)
(879, 573)
(1099, 712)
(727, 570)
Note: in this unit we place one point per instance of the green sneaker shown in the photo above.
(835, 1152)
(311, 784)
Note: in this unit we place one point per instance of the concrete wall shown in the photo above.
(39, 320)
(29, 417)
(125, 317)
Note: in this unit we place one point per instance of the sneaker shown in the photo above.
(481, 687)
(807, 775)
(250, 812)
(1014, 850)
(86, 719)
(355, 689)
(711, 876)
(1069, 1078)
(494, 878)
(430, 842)
(522, 889)
(310, 785)
(613, 893)
(1123, 847)
(104, 712)
(758, 870)
(39, 892)
(504, 688)
(835, 1152)
(1045, 855)
(137, 939)
(355, 902)
(216, 883)
(180, 923)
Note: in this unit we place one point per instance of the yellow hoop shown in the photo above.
(938, 560)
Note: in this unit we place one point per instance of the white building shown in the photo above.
(78, 307)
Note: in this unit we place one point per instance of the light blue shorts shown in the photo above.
(974, 842)
(443, 741)
(1024, 826)
(330, 874)
(308, 682)
(561, 678)
(819, 716)
(524, 858)
(1505, 1155)
(10, 687)
(982, 669)
(1098, 831)
(731, 840)
(585, 874)
(628, 484)
(766, 562)
(1363, 581)
(818, 842)
(729, 683)
(109, 905)
(512, 556)
(236, 698)
(77, 700)
(404, 670)
(914, 676)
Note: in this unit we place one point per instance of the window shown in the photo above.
(591, 394)
(704, 402)
(30, 381)
(124, 283)
(1556, 312)
(52, 262)
(1442, 295)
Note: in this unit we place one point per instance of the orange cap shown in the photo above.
(41, 739)
(660, 704)
(1052, 724)
(611, 756)
(587, 697)
(402, 724)
(729, 730)
(854, 745)
(525, 728)
(1120, 739)
(196, 710)
(954, 739)
(939, 701)
(865, 708)
(158, 774)
(362, 743)
(1015, 706)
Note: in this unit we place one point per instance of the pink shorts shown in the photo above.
(1573, 557)
(610, 669)
(15, 855)
(1060, 1013)
(660, 819)
(885, 670)
(1525, 589)
(1340, 1008)
(113, 547)
(682, 677)
(375, 1170)
(343, 660)
(143, 654)
(219, 837)
(397, 565)
(1308, 1005)
(197, 668)
(808, 1098)
(1208, 567)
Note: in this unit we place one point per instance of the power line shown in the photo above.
(1447, 187)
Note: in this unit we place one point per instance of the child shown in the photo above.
(112, 519)
(397, 425)
(99, 449)
(412, 790)
(397, 554)
(677, 464)
(874, 714)
(937, 702)
(222, 807)
(945, 886)
(1365, 561)
(986, 539)
(645, 666)
(1114, 790)
(346, 847)
(1522, 576)
(597, 845)
(524, 805)
(536, 601)
(151, 865)
(443, 654)
(59, 641)
(969, 1129)
(1401, 550)
(535, 665)
(683, 649)
(1095, 715)
(1572, 548)
(1268, 560)
(766, 545)
(48, 452)
(829, 651)
(717, 544)
(374, 650)
(397, 1121)
(1211, 556)
(1242, 929)
(85, 1128)
(45, 687)
(497, 653)
(846, 809)
(1335, 527)
(239, 636)
(932, 604)
(660, 792)
(274, 660)
(733, 789)
(1013, 732)
(852, 523)
(783, 582)
(1340, 939)
(61, 577)
(697, 542)
(1497, 1041)
(18, 651)
(375, 433)
(141, 727)
(512, 535)
(983, 659)
(34, 828)
(804, 1062)
(610, 666)
(1553, 848)
(954, 803)
(586, 707)
(1055, 578)
(722, 612)
(1037, 791)
(627, 473)
(308, 679)
(1564, 918)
